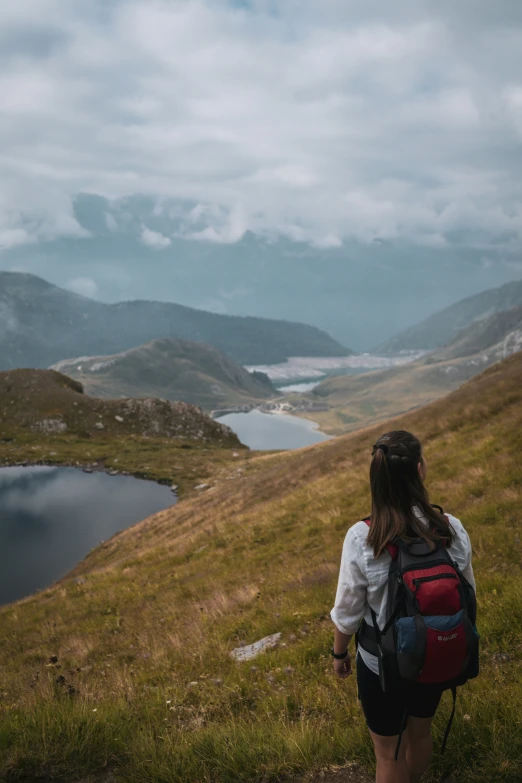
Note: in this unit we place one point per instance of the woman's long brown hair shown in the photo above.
(397, 489)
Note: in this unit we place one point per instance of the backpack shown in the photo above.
(429, 635)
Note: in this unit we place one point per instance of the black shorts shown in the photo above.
(386, 711)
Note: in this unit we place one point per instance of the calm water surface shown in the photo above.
(266, 431)
(50, 518)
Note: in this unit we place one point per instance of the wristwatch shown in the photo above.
(339, 656)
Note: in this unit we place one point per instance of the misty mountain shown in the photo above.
(140, 247)
(41, 324)
(172, 369)
(358, 400)
(491, 336)
(442, 327)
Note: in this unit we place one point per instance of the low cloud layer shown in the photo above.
(319, 122)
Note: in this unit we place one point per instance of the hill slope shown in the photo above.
(41, 324)
(143, 629)
(173, 369)
(358, 401)
(50, 403)
(440, 328)
(500, 334)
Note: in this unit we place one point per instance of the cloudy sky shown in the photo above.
(322, 122)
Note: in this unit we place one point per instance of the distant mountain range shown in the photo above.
(46, 402)
(357, 401)
(41, 324)
(439, 329)
(173, 369)
(359, 292)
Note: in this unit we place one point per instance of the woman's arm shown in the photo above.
(343, 667)
(350, 601)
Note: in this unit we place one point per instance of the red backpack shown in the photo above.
(429, 635)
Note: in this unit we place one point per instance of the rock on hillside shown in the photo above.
(41, 324)
(442, 327)
(171, 369)
(46, 401)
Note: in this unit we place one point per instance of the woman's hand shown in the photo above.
(343, 668)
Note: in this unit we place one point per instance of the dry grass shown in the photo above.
(362, 400)
(144, 641)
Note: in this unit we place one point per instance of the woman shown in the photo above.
(400, 510)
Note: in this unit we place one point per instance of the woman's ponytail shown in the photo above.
(397, 490)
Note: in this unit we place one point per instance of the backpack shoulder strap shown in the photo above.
(392, 549)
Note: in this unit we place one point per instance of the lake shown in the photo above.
(267, 431)
(306, 369)
(50, 518)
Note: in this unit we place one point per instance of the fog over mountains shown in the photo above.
(354, 166)
(361, 293)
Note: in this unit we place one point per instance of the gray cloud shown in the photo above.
(318, 122)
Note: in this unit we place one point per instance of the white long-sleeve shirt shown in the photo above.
(363, 579)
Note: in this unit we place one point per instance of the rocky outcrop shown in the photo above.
(50, 403)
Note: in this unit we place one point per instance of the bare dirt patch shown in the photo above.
(352, 773)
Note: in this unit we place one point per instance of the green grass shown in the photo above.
(358, 401)
(149, 690)
(185, 463)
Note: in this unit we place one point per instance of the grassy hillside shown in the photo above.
(47, 402)
(125, 665)
(45, 418)
(358, 401)
(440, 328)
(40, 324)
(173, 369)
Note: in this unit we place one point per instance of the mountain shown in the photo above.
(359, 400)
(440, 328)
(42, 324)
(132, 651)
(47, 402)
(173, 369)
(360, 292)
(500, 333)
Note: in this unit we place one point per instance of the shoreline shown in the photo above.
(91, 467)
(314, 426)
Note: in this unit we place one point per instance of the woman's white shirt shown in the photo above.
(363, 579)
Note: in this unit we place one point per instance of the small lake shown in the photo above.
(50, 518)
(267, 431)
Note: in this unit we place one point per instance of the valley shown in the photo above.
(357, 401)
(142, 629)
(132, 647)
(260, 332)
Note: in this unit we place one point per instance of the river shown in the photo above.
(52, 517)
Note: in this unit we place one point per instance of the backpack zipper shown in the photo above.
(432, 578)
(432, 564)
